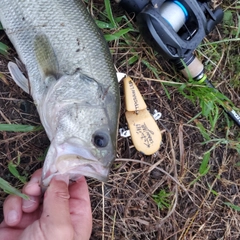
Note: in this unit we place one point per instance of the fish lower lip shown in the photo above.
(75, 158)
(76, 166)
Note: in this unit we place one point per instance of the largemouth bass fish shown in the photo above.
(72, 81)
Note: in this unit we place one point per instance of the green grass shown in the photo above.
(232, 206)
(12, 166)
(207, 98)
(203, 169)
(3, 49)
(19, 128)
(118, 26)
(6, 187)
(162, 199)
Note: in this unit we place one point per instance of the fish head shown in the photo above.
(84, 139)
(90, 152)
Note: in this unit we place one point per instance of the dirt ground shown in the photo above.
(123, 208)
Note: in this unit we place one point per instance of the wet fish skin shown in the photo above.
(72, 81)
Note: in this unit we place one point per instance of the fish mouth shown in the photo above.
(73, 161)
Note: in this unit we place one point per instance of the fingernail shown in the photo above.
(28, 203)
(62, 177)
(12, 217)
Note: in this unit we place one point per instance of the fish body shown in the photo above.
(72, 81)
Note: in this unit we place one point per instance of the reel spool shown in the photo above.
(174, 13)
(175, 28)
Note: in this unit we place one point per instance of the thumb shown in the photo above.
(56, 214)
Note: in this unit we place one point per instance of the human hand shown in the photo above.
(64, 215)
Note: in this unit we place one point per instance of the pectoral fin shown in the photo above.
(45, 55)
(18, 77)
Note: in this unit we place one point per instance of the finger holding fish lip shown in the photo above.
(33, 190)
(33, 186)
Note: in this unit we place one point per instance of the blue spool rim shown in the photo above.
(183, 8)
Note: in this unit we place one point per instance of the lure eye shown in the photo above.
(100, 139)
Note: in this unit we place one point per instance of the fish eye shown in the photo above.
(100, 139)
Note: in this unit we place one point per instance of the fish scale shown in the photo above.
(72, 80)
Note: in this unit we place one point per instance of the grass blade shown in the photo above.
(117, 35)
(3, 49)
(6, 187)
(235, 207)
(19, 128)
(12, 167)
(202, 130)
(204, 165)
(109, 12)
(104, 25)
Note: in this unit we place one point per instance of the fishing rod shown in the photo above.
(175, 29)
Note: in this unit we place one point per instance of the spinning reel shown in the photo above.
(175, 28)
